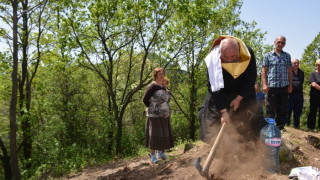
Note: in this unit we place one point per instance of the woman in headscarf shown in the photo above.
(158, 135)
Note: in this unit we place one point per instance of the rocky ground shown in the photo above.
(233, 160)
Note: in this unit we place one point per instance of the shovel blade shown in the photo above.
(197, 164)
(199, 167)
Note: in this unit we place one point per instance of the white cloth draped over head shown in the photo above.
(213, 63)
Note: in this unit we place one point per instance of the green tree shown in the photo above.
(310, 55)
(193, 21)
(13, 126)
(200, 22)
(27, 74)
(108, 32)
(307, 64)
(69, 105)
(254, 38)
(29, 32)
(5, 85)
(86, 64)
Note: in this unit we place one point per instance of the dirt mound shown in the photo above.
(234, 160)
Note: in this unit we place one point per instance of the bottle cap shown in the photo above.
(270, 120)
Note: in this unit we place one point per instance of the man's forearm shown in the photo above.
(290, 76)
(315, 85)
(264, 76)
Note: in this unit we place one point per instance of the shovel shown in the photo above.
(204, 171)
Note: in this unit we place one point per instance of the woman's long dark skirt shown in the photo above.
(158, 134)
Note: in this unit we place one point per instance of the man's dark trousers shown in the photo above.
(295, 105)
(314, 106)
(277, 105)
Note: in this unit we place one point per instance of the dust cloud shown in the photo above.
(241, 153)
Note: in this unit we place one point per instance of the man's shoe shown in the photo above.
(153, 159)
(161, 155)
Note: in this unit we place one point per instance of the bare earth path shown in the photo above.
(232, 161)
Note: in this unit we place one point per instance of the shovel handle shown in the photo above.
(213, 149)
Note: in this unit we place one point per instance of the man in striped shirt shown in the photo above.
(277, 81)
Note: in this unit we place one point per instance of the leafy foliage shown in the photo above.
(309, 57)
(307, 64)
(96, 58)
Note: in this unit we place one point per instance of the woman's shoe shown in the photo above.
(153, 159)
(161, 155)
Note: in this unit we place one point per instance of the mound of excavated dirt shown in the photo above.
(235, 159)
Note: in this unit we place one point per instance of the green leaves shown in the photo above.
(312, 52)
(97, 58)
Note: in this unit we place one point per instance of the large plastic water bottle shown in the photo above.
(271, 136)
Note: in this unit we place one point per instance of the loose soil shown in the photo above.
(233, 160)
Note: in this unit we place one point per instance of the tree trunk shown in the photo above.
(5, 161)
(13, 103)
(25, 90)
(118, 135)
(192, 109)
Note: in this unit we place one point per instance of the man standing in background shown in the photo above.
(296, 96)
(277, 81)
